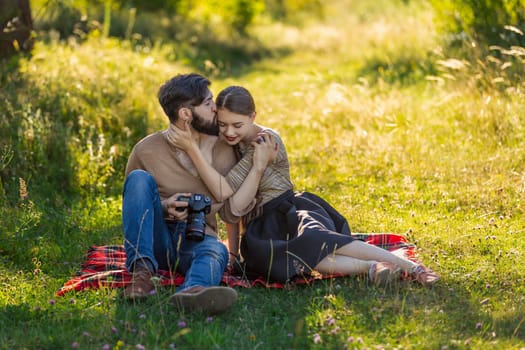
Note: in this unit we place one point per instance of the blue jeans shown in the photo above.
(148, 238)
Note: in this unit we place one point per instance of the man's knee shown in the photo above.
(138, 178)
(139, 175)
(216, 249)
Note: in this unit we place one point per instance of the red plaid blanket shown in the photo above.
(104, 267)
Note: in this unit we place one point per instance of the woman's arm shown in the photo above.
(263, 153)
(233, 241)
(216, 183)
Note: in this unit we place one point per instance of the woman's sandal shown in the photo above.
(384, 273)
(424, 275)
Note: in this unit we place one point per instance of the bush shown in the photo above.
(69, 132)
(233, 17)
(285, 9)
(482, 20)
(487, 38)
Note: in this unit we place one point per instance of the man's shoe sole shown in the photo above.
(210, 300)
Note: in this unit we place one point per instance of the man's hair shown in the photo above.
(236, 99)
(183, 90)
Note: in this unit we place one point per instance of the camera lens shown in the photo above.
(196, 226)
(198, 206)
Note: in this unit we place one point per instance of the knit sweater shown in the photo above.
(275, 181)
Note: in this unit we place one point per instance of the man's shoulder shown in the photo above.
(151, 139)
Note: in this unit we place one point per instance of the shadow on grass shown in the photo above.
(60, 325)
(261, 318)
(448, 310)
(472, 315)
(403, 70)
(219, 58)
(445, 315)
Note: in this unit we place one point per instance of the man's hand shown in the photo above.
(266, 150)
(175, 210)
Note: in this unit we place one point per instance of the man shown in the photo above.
(157, 175)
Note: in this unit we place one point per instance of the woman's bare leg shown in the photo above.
(362, 254)
(379, 273)
(348, 266)
(364, 251)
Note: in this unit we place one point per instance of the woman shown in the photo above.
(285, 233)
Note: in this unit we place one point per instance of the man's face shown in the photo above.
(204, 117)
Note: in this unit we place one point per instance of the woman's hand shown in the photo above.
(266, 150)
(183, 139)
(175, 209)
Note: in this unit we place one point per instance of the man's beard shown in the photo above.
(203, 126)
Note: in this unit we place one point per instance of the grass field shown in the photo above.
(376, 119)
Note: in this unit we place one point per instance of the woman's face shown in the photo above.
(234, 127)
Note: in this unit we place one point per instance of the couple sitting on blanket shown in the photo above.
(214, 159)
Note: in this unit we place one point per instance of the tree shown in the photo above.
(16, 27)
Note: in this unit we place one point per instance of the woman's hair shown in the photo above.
(236, 99)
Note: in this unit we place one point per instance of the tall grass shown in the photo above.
(376, 118)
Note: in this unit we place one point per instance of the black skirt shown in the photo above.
(294, 233)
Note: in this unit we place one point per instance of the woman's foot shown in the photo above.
(424, 275)
(383, 273)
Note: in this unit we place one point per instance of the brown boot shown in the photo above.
(210, 300)
(141, 285)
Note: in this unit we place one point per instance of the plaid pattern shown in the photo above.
(104, 267)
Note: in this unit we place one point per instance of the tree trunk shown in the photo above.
(16, 27)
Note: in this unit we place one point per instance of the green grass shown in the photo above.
(440, 160)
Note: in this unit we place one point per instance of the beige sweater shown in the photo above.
(174, 172)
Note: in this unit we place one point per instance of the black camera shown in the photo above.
(195, 226)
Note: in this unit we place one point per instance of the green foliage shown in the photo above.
(405, 69)
(62, 16)
(289, 9)
(231, 17)
(485, 40)
(169, 6)
(39, 143)
(483, 20)
(241, 13)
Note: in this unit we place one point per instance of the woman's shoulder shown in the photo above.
(269, 130)
(272, 132)
(282, 154)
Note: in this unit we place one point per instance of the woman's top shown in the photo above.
(274, 182)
